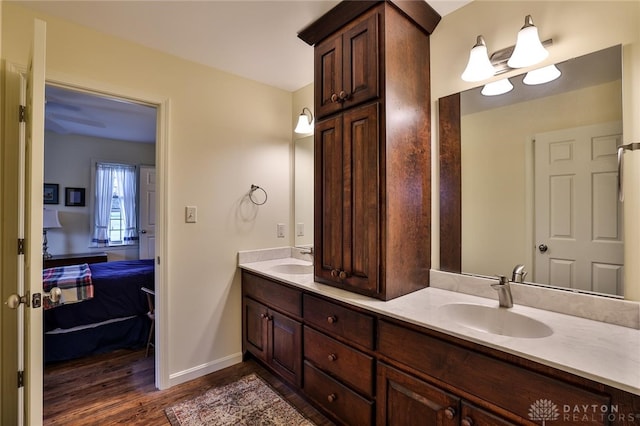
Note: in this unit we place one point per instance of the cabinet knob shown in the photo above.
(334, 98)
(450, 413)
(332, 319)
(343, 96)
(342, 275)
(332, 397)
(334, 273)
(264, 315)
(332, 357)
(467, 421)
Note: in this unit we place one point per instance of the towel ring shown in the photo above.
(253, 189)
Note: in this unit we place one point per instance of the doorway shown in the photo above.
(84, 128)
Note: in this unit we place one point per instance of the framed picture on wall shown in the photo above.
(50, 193)
(74, 197)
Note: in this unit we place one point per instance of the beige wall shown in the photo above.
(303, 170)
(213, 156)
(577, 28)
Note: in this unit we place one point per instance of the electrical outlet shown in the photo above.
(191, 214)
(300, 229)
(280, 228)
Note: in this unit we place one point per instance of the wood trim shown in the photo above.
(450, 184)
(417, 11)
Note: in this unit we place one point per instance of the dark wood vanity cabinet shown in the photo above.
(270, 335)
(372, 147)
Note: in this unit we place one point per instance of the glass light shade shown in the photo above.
(479, 66)
(529, 50)
(497, 87)
(305, 122)
(542, 75)
(50, 219)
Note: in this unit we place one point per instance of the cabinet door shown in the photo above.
(404, 400)
(285, 351)
(360, 62)
(254, 328)
(347, 210)
(328, 76)
(475, 416)
(361, 183)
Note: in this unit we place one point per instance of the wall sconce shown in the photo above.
(479, 66)
(529, 50)
(497, 87)
(305, 122)
(49, 221)
(542, 75)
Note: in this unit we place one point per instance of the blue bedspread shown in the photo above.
(116, 294)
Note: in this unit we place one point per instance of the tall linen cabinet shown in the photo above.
(372, 146)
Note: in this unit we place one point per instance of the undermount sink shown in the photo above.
(496, 320)
(293, 268)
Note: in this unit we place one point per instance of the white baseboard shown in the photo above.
(204, 369)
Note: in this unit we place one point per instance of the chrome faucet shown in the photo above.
(306, 250)
(518, 274)
(504, 292)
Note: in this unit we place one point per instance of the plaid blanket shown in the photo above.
(74, 281)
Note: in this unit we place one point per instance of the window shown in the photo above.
(115, 221)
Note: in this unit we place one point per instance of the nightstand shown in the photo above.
(74, 259)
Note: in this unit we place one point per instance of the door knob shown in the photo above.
(14, 300)
(543, 248)
(143, 231)
(54, 294)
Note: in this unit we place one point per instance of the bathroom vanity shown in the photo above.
(407, 361)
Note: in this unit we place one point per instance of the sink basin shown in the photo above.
(499, 321)
(293, 268)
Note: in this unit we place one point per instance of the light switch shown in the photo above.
(300, 229)
(191, 214)
(280, 230)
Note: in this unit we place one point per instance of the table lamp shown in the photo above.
(49, 221)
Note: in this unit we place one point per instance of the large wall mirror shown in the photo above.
(530, 177)
(303, 191)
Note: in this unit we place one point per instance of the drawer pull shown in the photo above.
(467, 421)
(450, 413)
(332, 319)
(332, 397)
(332, 357)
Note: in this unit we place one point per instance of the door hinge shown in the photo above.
(22, 114)
(20, 379)
(20, 245)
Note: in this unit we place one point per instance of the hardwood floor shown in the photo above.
(118, 388)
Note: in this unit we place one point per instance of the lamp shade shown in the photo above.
(529, 50)
(50, 219)
(305, 122)
(479, 66)
(497, 87)
(542, 75)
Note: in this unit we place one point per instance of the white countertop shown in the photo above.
(599, 351)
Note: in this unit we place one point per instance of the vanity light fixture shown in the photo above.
(542, 75)
(529, 49)
(479, 66)
(497, 87)
(305, 122)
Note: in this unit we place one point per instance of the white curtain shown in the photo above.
(103, 194)
(126, 181)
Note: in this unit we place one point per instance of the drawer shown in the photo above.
(339, 321)
(345, 404)
(273, 294)
(500, 383)
(343, 362)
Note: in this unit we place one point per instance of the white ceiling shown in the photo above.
(253, 39)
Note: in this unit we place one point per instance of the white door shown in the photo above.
(27, 341)
(147, 222)
(578, 229)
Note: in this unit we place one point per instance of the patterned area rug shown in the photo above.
(248, 401)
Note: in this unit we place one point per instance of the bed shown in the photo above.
(113, 318)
